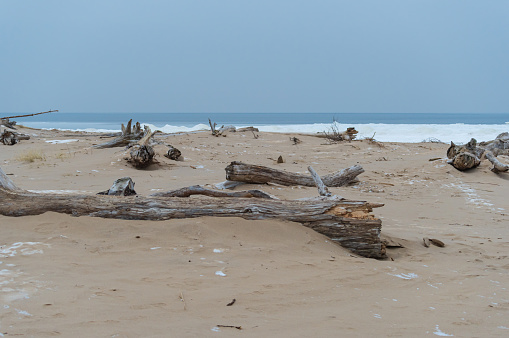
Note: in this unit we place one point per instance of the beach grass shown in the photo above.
(31, 155)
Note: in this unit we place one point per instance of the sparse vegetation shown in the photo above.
(334, 135)
(371, 140)
(63, 156)
(31, 156)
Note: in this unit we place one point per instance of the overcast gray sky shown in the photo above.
(254, 56)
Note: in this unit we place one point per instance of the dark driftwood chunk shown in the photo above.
(8, 138)
(141, 156)
(173, 153)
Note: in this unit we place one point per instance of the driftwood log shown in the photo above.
(349, 223)
(249, 173)
(130, 134)
(470, 155)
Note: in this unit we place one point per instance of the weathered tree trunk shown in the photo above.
(129, 135)
(469, 156)
(349, 223)
(249, 173)
(141, 155)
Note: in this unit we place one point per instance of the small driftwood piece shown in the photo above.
(121, 187)
(199, 190)
(322, 189)
(348, 223)
(470, 155)
(173, 153)
(142, 154)
(130, 134)
(249, 173)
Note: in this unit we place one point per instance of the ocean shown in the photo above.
(386, 127)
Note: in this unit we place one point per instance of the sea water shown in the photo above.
(385, 127)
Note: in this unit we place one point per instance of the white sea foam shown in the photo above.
(438, 332)
(458, 132)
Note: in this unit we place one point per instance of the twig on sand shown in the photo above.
(232, 302)
(182, 299)
(232, 326)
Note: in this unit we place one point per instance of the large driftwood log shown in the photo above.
(129, 135)
(349, 223)
(468, 156)
(249, 173)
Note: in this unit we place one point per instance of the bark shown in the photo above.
(249, 173)
(349, 223)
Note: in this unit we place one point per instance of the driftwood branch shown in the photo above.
(130, 134)
(322, 189)
(349, 223)
(26, 115)
(249, 173)
(199, 190)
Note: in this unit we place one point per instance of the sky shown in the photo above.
(244, 56)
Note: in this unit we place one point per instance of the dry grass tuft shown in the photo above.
(31, 156)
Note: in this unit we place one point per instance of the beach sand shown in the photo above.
(91, 277)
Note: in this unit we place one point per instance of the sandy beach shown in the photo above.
(92, 277)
